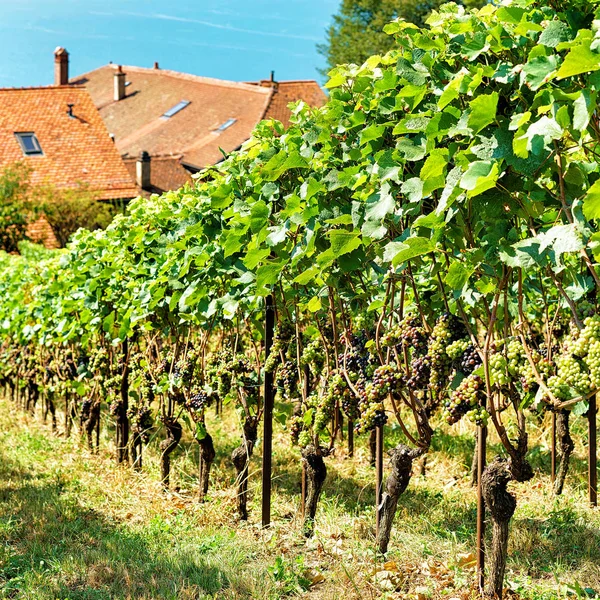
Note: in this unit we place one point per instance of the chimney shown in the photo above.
(156, 65)
(61, 66)
(142, 171)
(269, 82)
(70, 106)
(119, 84)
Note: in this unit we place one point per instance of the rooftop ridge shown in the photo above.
(43, 87)
(184, 76)
(282, 81)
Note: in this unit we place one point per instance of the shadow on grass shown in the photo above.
(53, 547)
(561, 541)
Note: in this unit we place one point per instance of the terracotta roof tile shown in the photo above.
(194, 137)
(41, 232)
(286, 92)
(166, 170)
(137, 122)
(75, 150)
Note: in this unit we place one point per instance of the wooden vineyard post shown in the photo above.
(378, 474)
(122, 418)
(592, 453)
(553, 450)
(268, 417)
(303, 499)
(481, 447)
(303, 483)
(350, 437)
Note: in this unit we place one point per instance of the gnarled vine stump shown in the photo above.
(167, 446)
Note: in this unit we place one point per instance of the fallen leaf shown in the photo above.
(314, 576)
(467, 561)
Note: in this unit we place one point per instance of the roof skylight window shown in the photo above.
(29, 143)
(173, 111)
(227, 124)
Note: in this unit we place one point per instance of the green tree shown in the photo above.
(71, 209)
(14, 206)
(357, 29)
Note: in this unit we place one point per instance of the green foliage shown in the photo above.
(14, 206)
(357, 29)
(68, 210)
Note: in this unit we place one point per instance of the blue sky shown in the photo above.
(228, 39)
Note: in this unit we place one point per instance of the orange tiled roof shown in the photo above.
(191, 138)
(41, 232)
(75, 149)
(193, 133)
(285, 92)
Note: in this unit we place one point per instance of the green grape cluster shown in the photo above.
(339, 388)
(515, 356)
(183, 371)
(592, 362)
(586, 308)
(304, 438)
(570, 376)
(456, 349)
(499, 369)
(313, 356)
(479, 416)
(326, 406)
(282, 337)
(588, 335)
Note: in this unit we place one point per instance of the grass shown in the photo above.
(73, 526)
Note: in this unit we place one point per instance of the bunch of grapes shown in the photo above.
(356, 358)
(223, 378)
(296, 427)
(183, 372)
(199, 401)
(586, 308)
(465, 398)
(587, 336)
(499, 369)
(287, 379)
(408, 333)
(456, 349)
(387, 379)
(325, 407)
(447, 330)
(570, 376)
(313, 356)
(371, 417)
(515, 355)
(469, 361)
(339, 388)
(144, 422)
(592, 362)
(420, 369)
(478, 415)
(282, 337)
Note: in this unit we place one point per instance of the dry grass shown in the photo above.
(73, 526)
